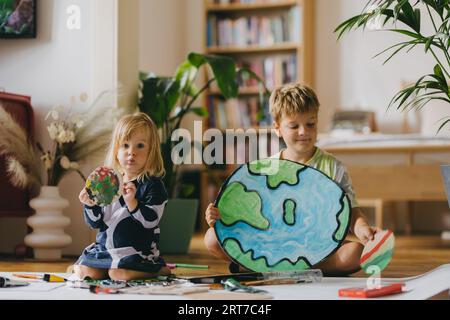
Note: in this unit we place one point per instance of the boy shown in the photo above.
(294, 109)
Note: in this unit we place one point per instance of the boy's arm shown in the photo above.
(359, 226)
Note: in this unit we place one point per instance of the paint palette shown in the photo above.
(103, 186)
(280, 215)
(378, 253)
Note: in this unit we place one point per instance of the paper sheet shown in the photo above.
(419, 287)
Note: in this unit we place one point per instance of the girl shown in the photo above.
(126, 246)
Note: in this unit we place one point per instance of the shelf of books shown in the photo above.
(275, 39)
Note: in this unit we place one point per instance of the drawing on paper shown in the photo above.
(281, 215)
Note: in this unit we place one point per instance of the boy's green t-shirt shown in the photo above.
(333, 168)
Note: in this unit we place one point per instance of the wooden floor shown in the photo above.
(412, 256)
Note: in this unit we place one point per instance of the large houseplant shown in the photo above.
(406, 17)
(167, 100)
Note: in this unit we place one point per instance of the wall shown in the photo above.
(61, 63)
(51, 69)
(169, 30)
(348, 77)
(163, 35)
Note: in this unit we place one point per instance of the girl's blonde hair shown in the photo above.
(126, 126)
(292, 99)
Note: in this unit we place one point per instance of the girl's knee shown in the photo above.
(118, 274)
(83, 272)
(127, 275)
(210, 240)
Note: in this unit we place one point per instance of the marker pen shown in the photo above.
(5, 282)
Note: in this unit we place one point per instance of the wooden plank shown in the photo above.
(236, 7)
(253, 48)
(398, 183)
(373, 148)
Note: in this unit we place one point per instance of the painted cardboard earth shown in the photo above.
(279, 215)
(103, 186)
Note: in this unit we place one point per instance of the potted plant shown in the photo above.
(167, 100)
(407, 17)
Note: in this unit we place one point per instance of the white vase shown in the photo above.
(48, 237)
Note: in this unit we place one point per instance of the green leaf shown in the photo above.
(348, 25)
(410, 16)
(428, 43)
(159, 96)
(144, 75)
(187, 190)
(438, 71)
(407, 33)
(200, 111)
(441, 77)
(223, 69)
(186, 74)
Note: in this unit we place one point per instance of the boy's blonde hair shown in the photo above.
(292, 99)
(126, 126)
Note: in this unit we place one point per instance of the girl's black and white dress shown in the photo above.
(128, 240)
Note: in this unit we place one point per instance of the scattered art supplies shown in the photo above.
(306, 276)
(381, 291)
(234, 285)
(162, 285)
(378, 252)
(7, 283)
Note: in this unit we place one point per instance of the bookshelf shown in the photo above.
(274, 38)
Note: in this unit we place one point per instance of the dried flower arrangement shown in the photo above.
(76, 137)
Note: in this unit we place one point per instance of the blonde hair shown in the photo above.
(292, 99)
(126, 126)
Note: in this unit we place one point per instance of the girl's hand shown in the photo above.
(129, 195)
(84, 198)
(365, 232)
(212, 214)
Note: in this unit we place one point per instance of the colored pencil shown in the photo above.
(186, 265)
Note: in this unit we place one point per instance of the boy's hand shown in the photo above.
(365, 233)
(84, 198)
(212, 214)
(129, 195)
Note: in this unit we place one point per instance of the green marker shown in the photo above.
(186, 265)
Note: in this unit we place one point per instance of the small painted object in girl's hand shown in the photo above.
(378, 252)
(103, 186)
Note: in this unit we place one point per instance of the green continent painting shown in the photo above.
(279, 215)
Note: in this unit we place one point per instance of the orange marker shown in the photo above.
(46, 277)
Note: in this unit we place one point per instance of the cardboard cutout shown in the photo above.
(279, 215)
